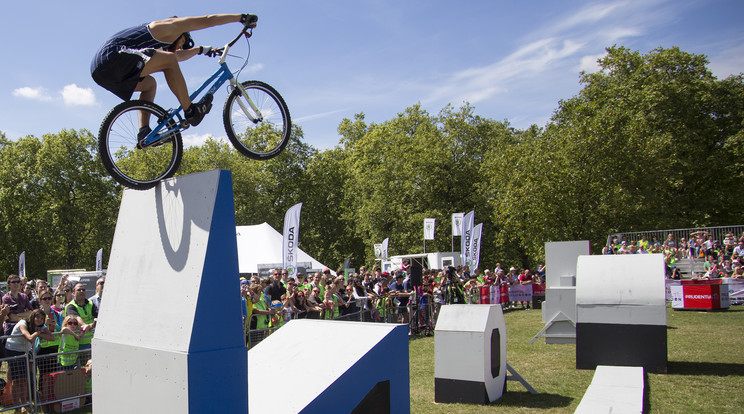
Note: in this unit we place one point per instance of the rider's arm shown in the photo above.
(182, 55)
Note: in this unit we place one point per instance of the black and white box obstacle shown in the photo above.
(469, 354)
(621, 312)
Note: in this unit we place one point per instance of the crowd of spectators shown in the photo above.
(56, 325)
(720, 258)
(378, 295)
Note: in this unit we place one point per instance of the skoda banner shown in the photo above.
(99, 260)
(378, 251)
(290, 251)
(457, 224)
(429, 228)
(22, 264)
(475, 245)
(466, 235)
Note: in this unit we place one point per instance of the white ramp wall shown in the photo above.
(169, 337)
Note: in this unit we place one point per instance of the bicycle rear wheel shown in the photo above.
(130, 166)
(260, 134)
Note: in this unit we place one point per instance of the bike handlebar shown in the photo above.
(246, 31)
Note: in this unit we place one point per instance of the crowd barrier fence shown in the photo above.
(48, 382)
(719, 233)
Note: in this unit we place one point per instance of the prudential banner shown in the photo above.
(290, 250)
(466, 235)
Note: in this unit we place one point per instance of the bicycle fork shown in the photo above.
(254, 116)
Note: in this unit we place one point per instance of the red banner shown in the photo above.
(485, 295)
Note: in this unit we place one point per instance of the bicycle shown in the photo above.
(255, 116)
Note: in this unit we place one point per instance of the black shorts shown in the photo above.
(121, 72)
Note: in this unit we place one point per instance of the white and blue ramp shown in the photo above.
(316, 366)
(169, 335)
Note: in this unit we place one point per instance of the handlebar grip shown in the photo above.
(249, 20)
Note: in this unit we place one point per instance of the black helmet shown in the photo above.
(188, 42)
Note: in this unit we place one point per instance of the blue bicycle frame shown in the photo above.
(222, 75)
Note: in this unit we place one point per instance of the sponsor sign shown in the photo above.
(700, 297)
(520, 293)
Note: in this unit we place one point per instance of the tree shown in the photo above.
(634, 150)
(413, 167)
(58, 203)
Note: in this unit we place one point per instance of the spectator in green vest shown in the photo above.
(70, 343)
(86, 315)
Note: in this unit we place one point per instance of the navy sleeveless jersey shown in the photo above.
(128, 40)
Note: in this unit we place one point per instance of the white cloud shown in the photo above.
(591, 14)
(317, 116)
(75, 95)
(197, 140)
(481, 83)
(37, 93)
(729, 62)
(589, 63)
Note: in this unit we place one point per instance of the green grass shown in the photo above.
(705, 370)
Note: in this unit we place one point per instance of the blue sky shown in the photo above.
(331, 59)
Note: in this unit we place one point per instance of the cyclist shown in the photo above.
(125, 61)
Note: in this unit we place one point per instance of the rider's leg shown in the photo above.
(167, 63)
(168, 30)
(147, 88)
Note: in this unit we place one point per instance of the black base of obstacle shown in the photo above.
(460, 391)
(621, 345)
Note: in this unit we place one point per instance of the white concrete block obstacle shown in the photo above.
(469, 354)
(614, 390)
(621, 312)
(170, 335)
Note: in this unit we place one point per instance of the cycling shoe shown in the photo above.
(196, 111)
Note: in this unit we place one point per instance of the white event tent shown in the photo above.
(261, 244)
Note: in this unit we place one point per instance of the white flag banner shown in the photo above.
(457, 223)
(429, 228)
(290, 251)
(378, 251)
(22, 264)
(475, 244)
(385, 248)
(99, 260)
(465, 236)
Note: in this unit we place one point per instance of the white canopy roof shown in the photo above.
(261, 244)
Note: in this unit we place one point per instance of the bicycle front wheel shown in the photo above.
(258, 122)
(130, 166)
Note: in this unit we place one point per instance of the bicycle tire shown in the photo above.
(262, 139)
(130, 166)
